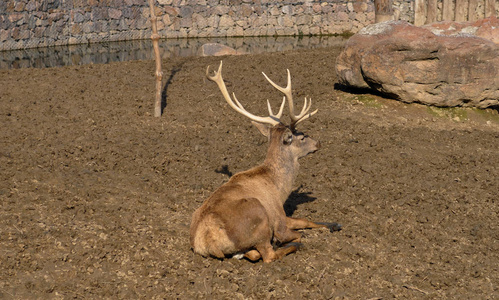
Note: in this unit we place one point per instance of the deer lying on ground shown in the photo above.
(245, 216)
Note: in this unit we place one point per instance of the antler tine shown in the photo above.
(304, 112)
(279, 114)
(295, 119)
(286, 91)
(237, 106)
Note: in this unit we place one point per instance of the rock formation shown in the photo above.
(431, 65)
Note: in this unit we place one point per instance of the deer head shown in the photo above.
(287, 145)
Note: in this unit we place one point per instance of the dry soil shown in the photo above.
(96, 194)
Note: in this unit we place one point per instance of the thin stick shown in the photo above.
(410, 287)
(159, 73)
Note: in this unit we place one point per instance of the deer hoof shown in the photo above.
(332, 226)
(293, 244)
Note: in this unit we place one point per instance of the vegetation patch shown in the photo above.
(488, 114)
(457, 114)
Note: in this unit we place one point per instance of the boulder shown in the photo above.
(413, 64)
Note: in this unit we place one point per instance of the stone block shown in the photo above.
(327, 9)
(24, 34)
(304, 30)
(75, 29)
(87, 27)
(13, 18)
(359, 7)
(317, 8)
(19, 6)
(78, 17)
(303, 20)
(199, 21)
(315, 30)
(226, 22)
(5, 22)
(117, 3)
(257, 21)
(10, 6)
(96, 13)
(172, 11)
(274, 11)
(166, 20)
(4, 35)
(114, 13)
(287, 21)
(341, 16)
(246, 10)
(350, 7)
(287, 9)
(185, 23)
(32, 5)
(242, 23)
(14, 33)
(186, 12)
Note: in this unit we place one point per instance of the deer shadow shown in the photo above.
(296, 198)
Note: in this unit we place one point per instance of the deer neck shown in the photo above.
(283, 172)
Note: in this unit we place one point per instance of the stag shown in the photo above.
(245, 217)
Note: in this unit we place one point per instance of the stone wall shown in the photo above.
(39, 23)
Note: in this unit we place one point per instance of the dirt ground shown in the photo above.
(96, 194)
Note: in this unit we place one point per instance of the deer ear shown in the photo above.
(263, 128)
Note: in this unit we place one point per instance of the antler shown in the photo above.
(271, 119)
(304, 114)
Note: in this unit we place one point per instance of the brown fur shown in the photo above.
(246, 214)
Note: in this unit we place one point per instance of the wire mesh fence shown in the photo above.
(38, 23)
(34, 23)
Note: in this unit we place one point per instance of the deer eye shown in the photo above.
(287, 138)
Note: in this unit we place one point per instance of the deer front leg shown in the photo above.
(267, 254)
(295, 223)
(285, 234)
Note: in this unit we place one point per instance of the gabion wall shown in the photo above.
(38, 23)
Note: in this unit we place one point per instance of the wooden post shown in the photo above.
(432, 11)
(461, 10)
(447, 10)
(419, 12)
(490, 8)
(472, 16)
(383, 11)
(159, 73)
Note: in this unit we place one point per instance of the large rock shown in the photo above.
(413, 64)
